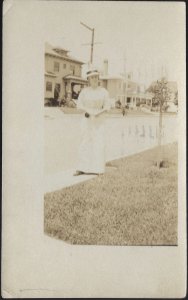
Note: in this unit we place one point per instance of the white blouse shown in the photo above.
(93, 100)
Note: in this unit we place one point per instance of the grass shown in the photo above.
(135, 204)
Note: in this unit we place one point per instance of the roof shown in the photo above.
(109, 77)
(61, 49)
(74, 78)
(116, 77)
(51, 51)
(50, 74)
(140, 94)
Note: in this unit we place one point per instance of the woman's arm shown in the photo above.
(93, 111)
(106, 105)
(98, 113)
(81, 106)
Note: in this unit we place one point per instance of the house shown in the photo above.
(62, 74)
(123, 89)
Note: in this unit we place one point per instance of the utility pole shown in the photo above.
(125, 84)
(162, 95)
(123, 105)
(92, 41)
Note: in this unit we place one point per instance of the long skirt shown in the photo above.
(92, 148)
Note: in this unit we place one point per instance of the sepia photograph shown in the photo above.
(110, 117)
(94, 149)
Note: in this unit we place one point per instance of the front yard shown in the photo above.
(134, 204)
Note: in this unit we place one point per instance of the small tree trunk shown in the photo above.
(159, 159)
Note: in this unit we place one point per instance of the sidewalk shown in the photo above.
(124, 137)
(64, 179)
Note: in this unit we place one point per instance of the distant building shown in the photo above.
(123, 89)
(62, 74)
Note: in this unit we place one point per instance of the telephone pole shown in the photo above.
(92, 41)
(125, 80)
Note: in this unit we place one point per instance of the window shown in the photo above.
(49, 86)
(72, 68)
(57, 91)
(56, 66)
(64, 66)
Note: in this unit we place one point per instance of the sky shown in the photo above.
(141, 37)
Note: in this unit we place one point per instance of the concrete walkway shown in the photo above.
(63, 179)
(57, 181)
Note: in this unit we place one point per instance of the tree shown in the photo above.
(176, 98)
(155, 89)
(161, 96)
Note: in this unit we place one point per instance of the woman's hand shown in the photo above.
(87, 115)
(101, 112)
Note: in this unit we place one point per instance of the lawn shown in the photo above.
(134, 204)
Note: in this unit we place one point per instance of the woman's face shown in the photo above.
(94, 81)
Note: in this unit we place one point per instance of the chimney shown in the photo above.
(106, 67)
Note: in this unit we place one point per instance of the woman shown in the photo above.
(94, 101)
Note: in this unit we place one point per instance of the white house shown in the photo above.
(124, 89)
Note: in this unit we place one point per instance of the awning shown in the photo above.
(50, 74)
(140, 95)
(76, 79)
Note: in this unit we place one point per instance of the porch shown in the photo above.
(73, 86)
(134, 100)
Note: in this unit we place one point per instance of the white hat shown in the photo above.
(92, 72)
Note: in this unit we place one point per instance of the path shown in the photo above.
(57, 181)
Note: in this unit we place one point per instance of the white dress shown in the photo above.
(92, 148)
